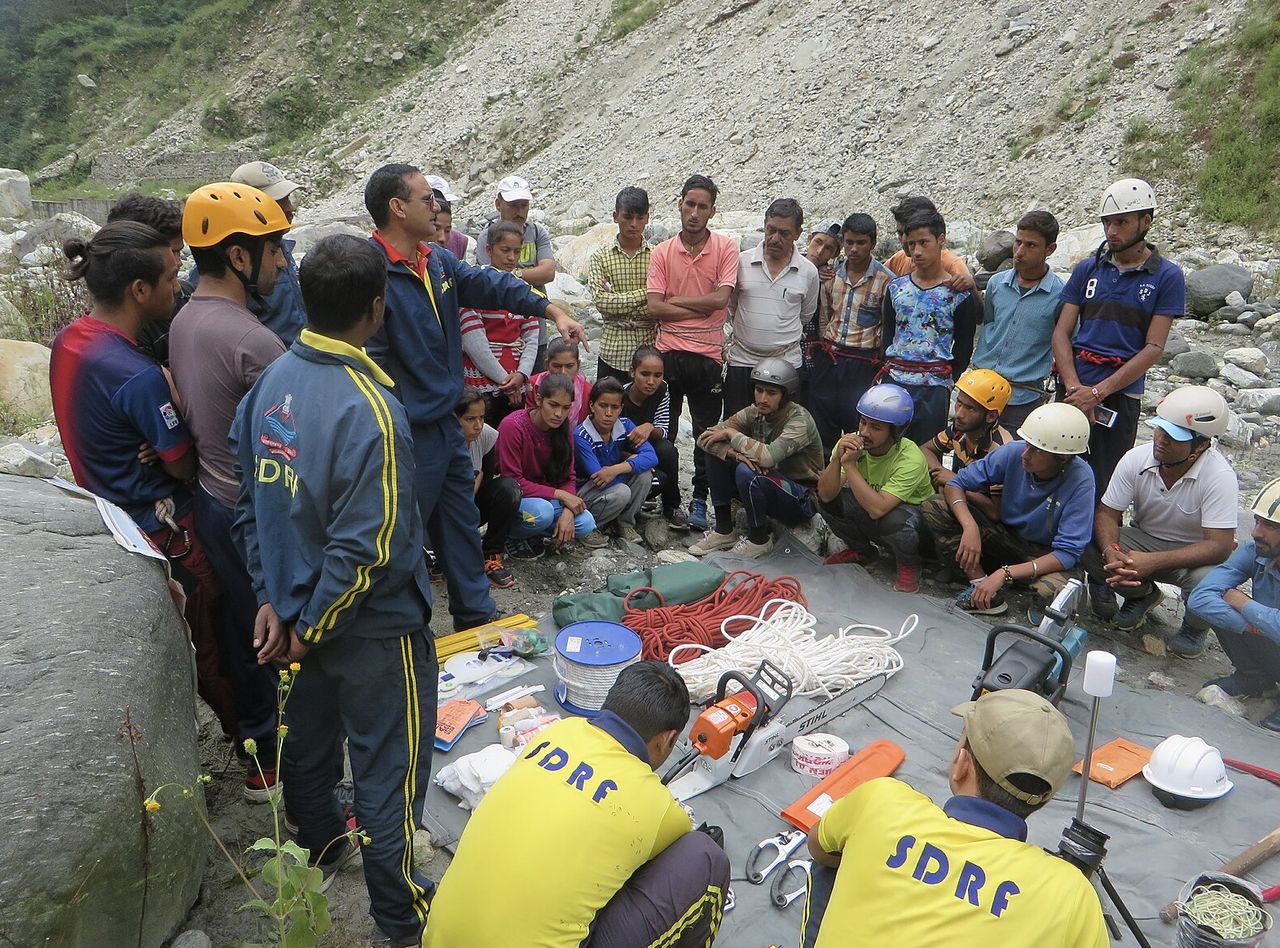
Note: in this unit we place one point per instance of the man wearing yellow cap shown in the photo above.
(893, 868)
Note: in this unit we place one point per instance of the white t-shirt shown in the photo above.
(768, 314)
(482, 446)
(1205, 497)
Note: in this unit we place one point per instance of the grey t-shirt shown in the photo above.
(217, 350)
(482, 446)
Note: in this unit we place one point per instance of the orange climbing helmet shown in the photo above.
(217, 211)
(986, 387)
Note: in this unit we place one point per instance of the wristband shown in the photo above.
(1008, 574)
(1094, 390)
(1035, 569)
(958, 500)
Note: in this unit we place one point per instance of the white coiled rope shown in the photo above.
(785, 633)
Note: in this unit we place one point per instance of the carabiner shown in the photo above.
(783, 845)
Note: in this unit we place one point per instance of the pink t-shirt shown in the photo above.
(673, 271)
(581, 397)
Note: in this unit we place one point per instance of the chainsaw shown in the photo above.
(739, 733)
(1040, 660)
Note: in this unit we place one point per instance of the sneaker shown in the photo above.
(1188, 643)
(712, 541)
(1241, 685)
(435, 574)
(744, 547)
(965, 601)
(1134, 612)
(1102, 601)
(869, 555)
(290, 824)
(499, 576)
(595, 540)
(698, 514)
(530, 549)
(676, 518)
(627, 533)
(350, 850)
(1272, 721)
(908, 578)
(261, 787)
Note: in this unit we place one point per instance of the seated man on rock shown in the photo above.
(892, 868)
(769, 456)
(871, 489)
(1184, 495)
(975, 431)
(1248, 624)
(581, 826)
(1046, 509)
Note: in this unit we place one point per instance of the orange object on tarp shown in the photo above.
(1115, 762)
(454, 717)
(877, 759)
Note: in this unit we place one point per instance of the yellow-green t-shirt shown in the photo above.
(914, 874)
(901, 471)
(559, 833)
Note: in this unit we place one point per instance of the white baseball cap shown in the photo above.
(514, 188)
(267, 178)
(437, 183)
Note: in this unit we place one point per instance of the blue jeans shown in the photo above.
(763, 495)
(538, 517)
(443, 483)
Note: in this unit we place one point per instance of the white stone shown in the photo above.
(1076, 244)
(1240, 378)
(1215, 697)
(1265, 400)
(16, 459)
(86, 82)
(1228, 256)
(1248, 358)
(15, 194)
(40, 257)
(24, 378)
(1235, 298)
(574, 258)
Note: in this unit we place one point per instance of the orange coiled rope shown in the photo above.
(742, 593)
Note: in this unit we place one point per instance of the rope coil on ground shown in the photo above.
(710, 621)
(1229, 914)
(785, 633)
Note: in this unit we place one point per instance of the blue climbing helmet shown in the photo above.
(888, 403)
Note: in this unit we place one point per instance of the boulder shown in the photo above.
(573, 259)
(308, 235)
(1208, 289)
(1175, 345)
(90, 631)
(15, 194)
(1074, 245)
(52, 232)
(1248, 358)
(12, 325)
(1196, 364)
(995, 249)
(1240, 378)
(24, 379)
(1264, 400)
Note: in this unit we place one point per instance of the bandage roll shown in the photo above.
(507, 735)
(818, 754)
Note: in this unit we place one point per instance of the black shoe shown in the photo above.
(1134, 612)
(1272, 721)
(531, 549)
(1241, 685)
(1188, 643)
(715, 832)
(1102, 601)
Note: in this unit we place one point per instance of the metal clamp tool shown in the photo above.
(782, 845)
(778, 891)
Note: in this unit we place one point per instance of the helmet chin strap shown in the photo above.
(1141, 238)
(250, 282)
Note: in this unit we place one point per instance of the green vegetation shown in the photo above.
(155, 58)
(629, 15)
(1228, 95)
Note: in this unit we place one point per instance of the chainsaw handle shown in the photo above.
(743, 680)
(989, 653)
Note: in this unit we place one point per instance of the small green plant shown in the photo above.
(295, 910)
(221, 118)
(46, 303)
(629, 15)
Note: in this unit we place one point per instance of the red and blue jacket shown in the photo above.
(327, 522)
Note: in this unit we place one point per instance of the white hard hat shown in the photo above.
(1057, 428)
(1126, 196)
(1187, 769)
(1191, 410)
(1267, 504)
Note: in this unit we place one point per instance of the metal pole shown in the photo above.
(1088, 759)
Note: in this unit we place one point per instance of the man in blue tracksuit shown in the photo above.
(420, 346)
(333, 542)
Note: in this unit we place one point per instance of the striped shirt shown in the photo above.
(654, 410)
(617, 282)
(965, 450)
(849, 313)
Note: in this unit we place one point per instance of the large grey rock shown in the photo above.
(1240, 378)
(1264, 400)
(90, 631)
(1249, 358)
(1174, 346)
(1208, 289)
(15, 194)
(307, 236)
(995, 249)
(24, 379)
(52, 232)
(1196, 364)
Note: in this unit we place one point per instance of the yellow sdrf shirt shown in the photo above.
(559, 833)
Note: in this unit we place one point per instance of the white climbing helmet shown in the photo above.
(1126, 196)
(1192, 409)
(1267, 504)
(1186, 773)
(1057, 428)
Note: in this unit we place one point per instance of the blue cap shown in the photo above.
(1176, 432)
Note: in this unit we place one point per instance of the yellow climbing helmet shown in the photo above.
(989, 389)
(216, 211)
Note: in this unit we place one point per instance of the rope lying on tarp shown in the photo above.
(785, 633)
(708, 621)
